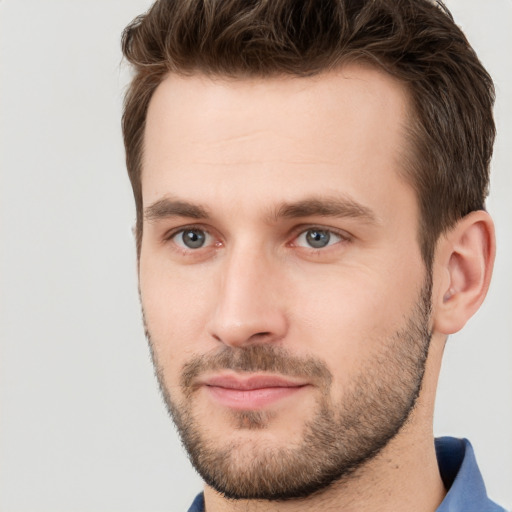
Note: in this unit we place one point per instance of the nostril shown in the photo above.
(261, 335)
(242, 336)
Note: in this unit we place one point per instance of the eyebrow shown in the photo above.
(309, 207)
(166, 207)
(326, 207)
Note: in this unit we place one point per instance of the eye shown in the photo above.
(192, 238)
(316, 238)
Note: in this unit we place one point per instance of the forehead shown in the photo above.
(278, 135)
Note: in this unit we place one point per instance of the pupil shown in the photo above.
(193, 238)
(318, 239)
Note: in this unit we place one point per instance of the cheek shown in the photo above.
(347, 302)
(347, 319)
(175, 312)
(336, 325)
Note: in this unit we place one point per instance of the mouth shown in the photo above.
(250, 392)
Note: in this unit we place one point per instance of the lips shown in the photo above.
(250, 392)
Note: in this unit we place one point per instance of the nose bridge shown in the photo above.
(249, 305)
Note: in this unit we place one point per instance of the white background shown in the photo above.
(82, 426)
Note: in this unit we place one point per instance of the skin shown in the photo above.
(240, 150)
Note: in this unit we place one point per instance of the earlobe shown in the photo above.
(465, 259)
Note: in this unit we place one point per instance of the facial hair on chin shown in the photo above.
(338, 439)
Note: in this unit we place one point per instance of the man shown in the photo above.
(310, 180)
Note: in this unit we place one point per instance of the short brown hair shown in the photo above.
(451, 123)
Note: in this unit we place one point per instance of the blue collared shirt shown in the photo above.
(462, 478)
(460, 474)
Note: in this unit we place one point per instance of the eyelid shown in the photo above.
(171, 233)
(299, 230)
(178, 229)
(295, 233)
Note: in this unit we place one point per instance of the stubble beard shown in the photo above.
(339, 439)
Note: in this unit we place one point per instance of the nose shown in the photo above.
(250, 306)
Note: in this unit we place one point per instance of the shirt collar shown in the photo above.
(462, 478)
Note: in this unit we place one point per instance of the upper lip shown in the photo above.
(251, 381)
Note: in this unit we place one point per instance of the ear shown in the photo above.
(464, 262)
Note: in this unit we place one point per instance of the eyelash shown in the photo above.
(175, 232)
(297, 232)
(343, 236)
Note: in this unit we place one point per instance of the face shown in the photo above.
(285, 299)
